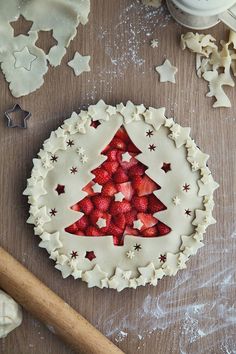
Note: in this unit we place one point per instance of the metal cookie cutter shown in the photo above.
(10, 122)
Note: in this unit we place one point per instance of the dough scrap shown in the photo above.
(10, 314)
(154, 3)
(167, 72)
(209, 59)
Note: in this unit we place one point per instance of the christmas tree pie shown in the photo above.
(120, 196)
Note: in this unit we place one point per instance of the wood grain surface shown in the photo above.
(117, 37)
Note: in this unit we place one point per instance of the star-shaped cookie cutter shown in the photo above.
(16, 108)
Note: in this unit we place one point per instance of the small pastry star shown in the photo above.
(176, 200)
(90, 255)
(80, 150)
(111, 110)
(167, 72)
(154, 43)
(137, 247)
(188, 212)
(166, 167)
(84, 158)
(70, 143)
(73, 170)
(175, 134)
(79, 63)
(101, 223)
(195, 166)
(54, 158)
(186, 187)
(119, 197)
(97, 188)
(137, 224)
(53, 212)
(152, 147)
(162, 258)
(130, 254)
(74, 254)
(60, 189)
(24, 59)
(126, 157)
(149, 133)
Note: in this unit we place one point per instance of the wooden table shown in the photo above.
(192, 312)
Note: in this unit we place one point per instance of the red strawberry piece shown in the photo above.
(79, 233)
(147, 219)
(72, 228)
(85, 205)
(119, 220)
(118, 144)
(93, 231)
(121, 134)
(106, 149)
(140, 203)
(154, 204)
(101, 176)
(136, 181)
(130, 217)
(82, 223)
(110, 166)
(150, 232)
(109, 189)
(132, 148)
(146, 186)
(131, 231)
(120, 176)
(163, 229)
(88, 189)
(137, 170)
(114, 230)
(111, 155)
(125, 164)
(76, 207)
(118, 240)
(120, 207)
(101, 202)
(126, 189)
(95, 215)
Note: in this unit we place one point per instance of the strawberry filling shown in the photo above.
(126, 197)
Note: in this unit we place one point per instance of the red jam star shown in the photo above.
(166, 167)
(186, 187)
(90, 255)
(162, 258)
(60, 189)
(188, 212)
(95, 123)
(149, 133)
(70, 143)
(152, 147)
(74, 254)
(54, 158)
(53, 212)
(73, 170)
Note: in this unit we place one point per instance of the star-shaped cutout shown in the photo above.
(162, 258)
(24, 115)
(101, 223)
(95, 123)
(119, 197)
(80, 150)
(130, 254)
(188, 212)
(126, 157)
(97, 188)
(149, 133)
(195, 166)
(21, 26)
(167, 72)
(152, 147)
(176, 200)
(54, 158)
(84, 158)
(137, 224)
(70, 143)
(53, 212)
(90, 255)
(24, 59)
(154, 43)
(186, 187)
(60, 189)
(166, 167)
(73, 170)
(74, 254)
(137, 247)
(79, 63)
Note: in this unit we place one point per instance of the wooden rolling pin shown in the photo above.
(49, 308)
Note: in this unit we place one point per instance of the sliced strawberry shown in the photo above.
(154, 204)
(137, 170)
(150, 232)
(124, 164)
(119, 207)
(132, 148)
(118, 240)
(72, 228)
(118, 144)
(106, 149)
(147, 219)
(88, 189)
(130, 217)
(79, 233)
(111, 155)
(119, 220)
(101, 202)
(82, 223)
(136, 181)
(120, 176)
(140, 203)
(114, 229)
(110, 166)
(146, 186)
(109, 189)
(101, 176)
(76, 207)
(93, 231)
(126, 189)
(85, 205)
(131, 231)
(163, 229)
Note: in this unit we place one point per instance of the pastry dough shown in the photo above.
(175, 173)
(10, 314)
(167, 72)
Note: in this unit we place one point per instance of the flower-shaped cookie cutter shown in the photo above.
(10, 119)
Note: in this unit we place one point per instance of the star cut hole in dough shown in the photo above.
(167, 72)
(140, 222)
